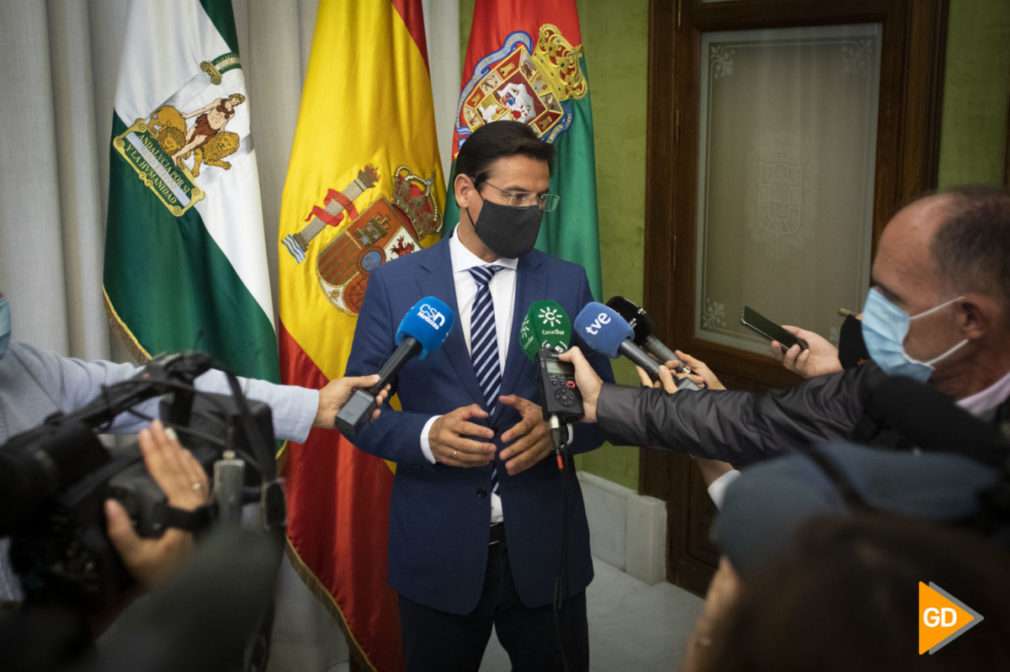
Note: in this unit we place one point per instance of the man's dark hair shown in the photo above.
(496, 140)
(845, 597)
(972, 246)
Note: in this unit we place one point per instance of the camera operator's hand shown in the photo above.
(335, 394)
(184, 483)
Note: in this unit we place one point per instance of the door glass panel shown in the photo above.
(787, 132)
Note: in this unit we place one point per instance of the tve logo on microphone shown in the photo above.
(942, 618)
(594, 327)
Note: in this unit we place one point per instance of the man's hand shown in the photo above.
(665, 381)
(700, 373)
(702, 376)
(184, 483)
(449, 442)
(529, 440)
(586, 379)
(819, 358)
(335, 394)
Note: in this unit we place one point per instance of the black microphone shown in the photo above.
(639, 321)
(605, 331)
(931, 420)
(424, 328)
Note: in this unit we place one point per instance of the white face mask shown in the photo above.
(885, 327)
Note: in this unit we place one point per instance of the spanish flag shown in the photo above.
(364, 186)
(524, 62)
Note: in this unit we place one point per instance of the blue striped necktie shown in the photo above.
(484, 345)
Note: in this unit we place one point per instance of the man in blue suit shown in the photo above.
(477, 514)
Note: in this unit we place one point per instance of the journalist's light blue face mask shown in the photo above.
(5, 326)
(885, 327)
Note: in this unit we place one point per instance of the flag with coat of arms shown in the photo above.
(185, 257)
(364, 186)
(525, 62)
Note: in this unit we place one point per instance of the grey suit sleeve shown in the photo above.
(71, 383)
(292, 408)
(739, 427)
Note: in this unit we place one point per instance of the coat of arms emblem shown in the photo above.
(157, 148)
(384, 230)
(526, 83)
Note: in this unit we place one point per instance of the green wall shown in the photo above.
(615, 38)
(976, 92)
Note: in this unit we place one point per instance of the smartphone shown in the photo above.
(757, 322)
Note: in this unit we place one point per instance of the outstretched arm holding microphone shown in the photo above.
(711, 470)
(735, 426)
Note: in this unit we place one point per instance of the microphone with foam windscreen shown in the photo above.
(423, 329)
(606, 332)
(639, 321)
(545, 326)
(546, 332)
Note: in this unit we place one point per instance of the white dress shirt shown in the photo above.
(503, 294)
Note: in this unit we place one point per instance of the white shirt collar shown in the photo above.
(981, 403)
(463, 259)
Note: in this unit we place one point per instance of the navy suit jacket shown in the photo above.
(439, 515)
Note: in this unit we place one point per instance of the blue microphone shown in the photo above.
(422, 330)
(606, 332)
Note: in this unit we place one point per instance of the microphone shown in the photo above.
(606, 332)
(639, 321)
(545, 326)
(546, 332)
(423, 329)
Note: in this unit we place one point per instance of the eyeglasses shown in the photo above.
(525, 199)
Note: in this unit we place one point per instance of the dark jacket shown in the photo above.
(438, 514)
(738, 427)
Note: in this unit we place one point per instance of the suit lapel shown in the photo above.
(530, 284)
(435, 281)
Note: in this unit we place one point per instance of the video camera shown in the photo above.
(55, 478)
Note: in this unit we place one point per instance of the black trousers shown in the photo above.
(438, 640)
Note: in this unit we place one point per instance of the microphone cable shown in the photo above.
(561, 579)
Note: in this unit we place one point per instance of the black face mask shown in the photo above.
(507, 231)
(851, 347)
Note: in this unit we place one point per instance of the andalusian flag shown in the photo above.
(524, 62)
(185, 259)
(364, 186)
